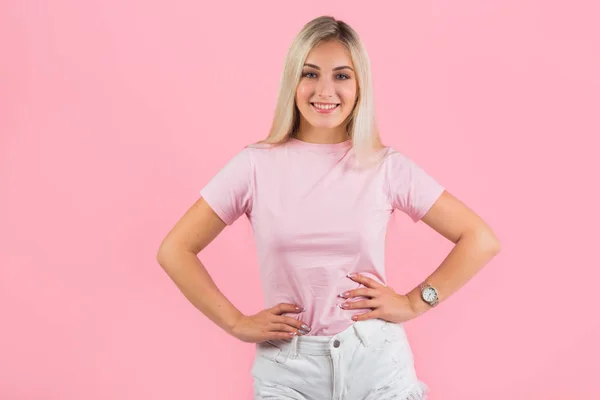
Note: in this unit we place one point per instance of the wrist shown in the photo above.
(418, 305)
(232, 322)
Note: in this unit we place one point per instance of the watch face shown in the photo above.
(429, 294)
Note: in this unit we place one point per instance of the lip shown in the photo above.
(325, 111)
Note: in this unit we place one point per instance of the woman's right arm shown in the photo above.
(177, 255)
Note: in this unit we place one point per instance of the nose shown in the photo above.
(325, 88)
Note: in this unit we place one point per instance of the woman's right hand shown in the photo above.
(269, 324)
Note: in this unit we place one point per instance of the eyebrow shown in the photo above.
(335, 69)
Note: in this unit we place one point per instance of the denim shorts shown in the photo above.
(370, 360)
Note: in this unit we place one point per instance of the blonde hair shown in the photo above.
(361, 123)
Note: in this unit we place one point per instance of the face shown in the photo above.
(327, 90)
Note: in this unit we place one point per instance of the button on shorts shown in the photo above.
(370, 360)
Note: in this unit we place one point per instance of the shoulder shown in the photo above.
(392, 157)
(394, 153)
(398, 163)
(263, 151)
(266, 146)
(399, 157)
(251, 150)
(251, 156)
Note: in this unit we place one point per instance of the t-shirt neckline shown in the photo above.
(325, 147)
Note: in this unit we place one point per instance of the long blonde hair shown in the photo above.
(361, 123)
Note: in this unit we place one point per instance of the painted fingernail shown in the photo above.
(351, 275)
(345, 294)
(292, 333)
(306, 328)
(299, 308)
(344, 305)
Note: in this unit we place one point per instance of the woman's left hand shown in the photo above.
(385, 303)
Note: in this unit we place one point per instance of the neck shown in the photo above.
(311, 134)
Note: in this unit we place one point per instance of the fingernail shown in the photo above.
(303, 332)
(299, 308)
(344, 305)
(306, 328)
(345, 294)
(292, 333)
(351, 275)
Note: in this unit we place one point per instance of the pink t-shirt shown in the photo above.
(315, 219)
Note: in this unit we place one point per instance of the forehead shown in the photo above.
(329, 55)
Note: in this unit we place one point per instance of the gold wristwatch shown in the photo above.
(429, 294)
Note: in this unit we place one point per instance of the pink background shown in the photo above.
(113, 115)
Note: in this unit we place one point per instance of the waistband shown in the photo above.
(359, 331)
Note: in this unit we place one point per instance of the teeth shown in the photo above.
(325, 107)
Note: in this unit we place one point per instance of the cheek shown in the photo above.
(303, 92)
(348, 94)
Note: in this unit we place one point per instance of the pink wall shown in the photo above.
(113, 115)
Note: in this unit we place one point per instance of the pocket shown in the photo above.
(389, 336)
(400, 349)
(392, 344)
(394, 332)
(270, 372)
(264, 391)
(268, 350)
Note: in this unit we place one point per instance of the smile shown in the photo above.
(324, 108)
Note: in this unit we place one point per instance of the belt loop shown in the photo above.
(294, 348)
(282, 356)
(361, 334)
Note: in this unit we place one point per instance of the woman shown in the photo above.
(319, 192)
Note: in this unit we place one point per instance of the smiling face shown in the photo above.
(326, 93)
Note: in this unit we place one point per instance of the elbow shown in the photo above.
(486, 240)
(163, 254)
(491, 243)
(161, 257)
(169, 252)
(495, 247)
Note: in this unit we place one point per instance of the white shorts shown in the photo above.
(370, 360)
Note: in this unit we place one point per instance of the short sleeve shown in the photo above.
(229, 192)
(411, 189)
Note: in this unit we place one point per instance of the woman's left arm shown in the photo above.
(475, 245)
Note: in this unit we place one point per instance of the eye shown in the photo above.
(343, 76)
